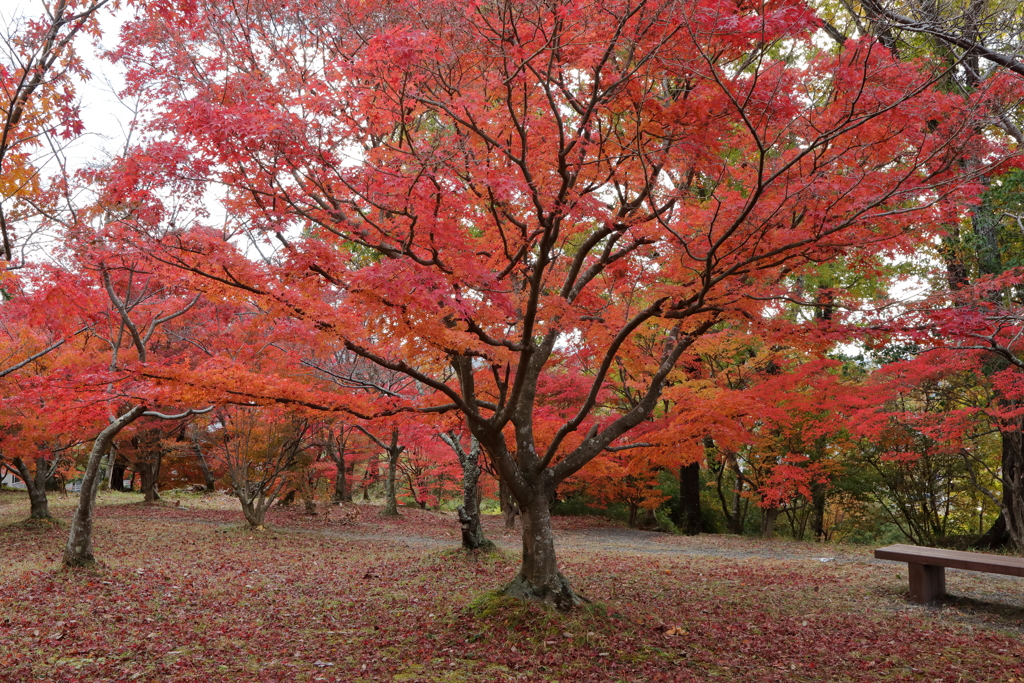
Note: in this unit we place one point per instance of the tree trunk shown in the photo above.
(818, 499)
(253, 511)
(390, 495)
(1013, 485)
(39, 505)
(150, 471)
(539, 578)
(209, 482)
(996, 537)
(78, 551)
(688, 517)
(51, 482)
(341, 490)
(370, 476)
(469, 512)
(736, 518)
(768, 522)
(117, 476)
(509, 507)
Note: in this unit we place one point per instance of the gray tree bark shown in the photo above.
(469, 512)
(78, 551)
(539, 578)
(39, 505)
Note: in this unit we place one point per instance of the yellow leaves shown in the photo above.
(19, 176)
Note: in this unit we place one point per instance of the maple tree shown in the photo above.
(473, 537)
(339, 446)
(259, 449)
(976, 43)
(39, 114)
(959, 388)
(473, 196)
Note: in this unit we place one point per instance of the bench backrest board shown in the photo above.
(956, 559)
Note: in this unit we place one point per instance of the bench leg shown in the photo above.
(927, 582)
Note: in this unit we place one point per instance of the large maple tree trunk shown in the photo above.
(539, 578)
(39, 505)
(78, 551)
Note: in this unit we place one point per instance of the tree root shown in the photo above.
(557, 593)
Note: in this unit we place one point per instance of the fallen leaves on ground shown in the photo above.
(183, 595)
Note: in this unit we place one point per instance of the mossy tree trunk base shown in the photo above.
(80, 561)
(557, 592)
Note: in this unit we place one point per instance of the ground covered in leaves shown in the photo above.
(186, 593)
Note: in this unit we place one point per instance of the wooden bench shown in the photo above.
(927, 567)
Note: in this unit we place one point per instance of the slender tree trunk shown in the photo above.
(469, 512)
(688, 517)
(539, 578)
(208, 481)
(736, 517)
(818, 500)
(509, 507)
(390, 493)
(104, 472)
(78, 551)
(391, 482)
(394, 450)
(39, 505)
(51, 482)
(337, 445)
(768, 522)
(370, 476)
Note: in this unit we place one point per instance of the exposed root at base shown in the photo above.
(81, 563)
(557, 592)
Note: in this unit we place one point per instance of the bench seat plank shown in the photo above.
(956, 559)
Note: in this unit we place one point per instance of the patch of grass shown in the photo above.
(492, 555)
(44, 525)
